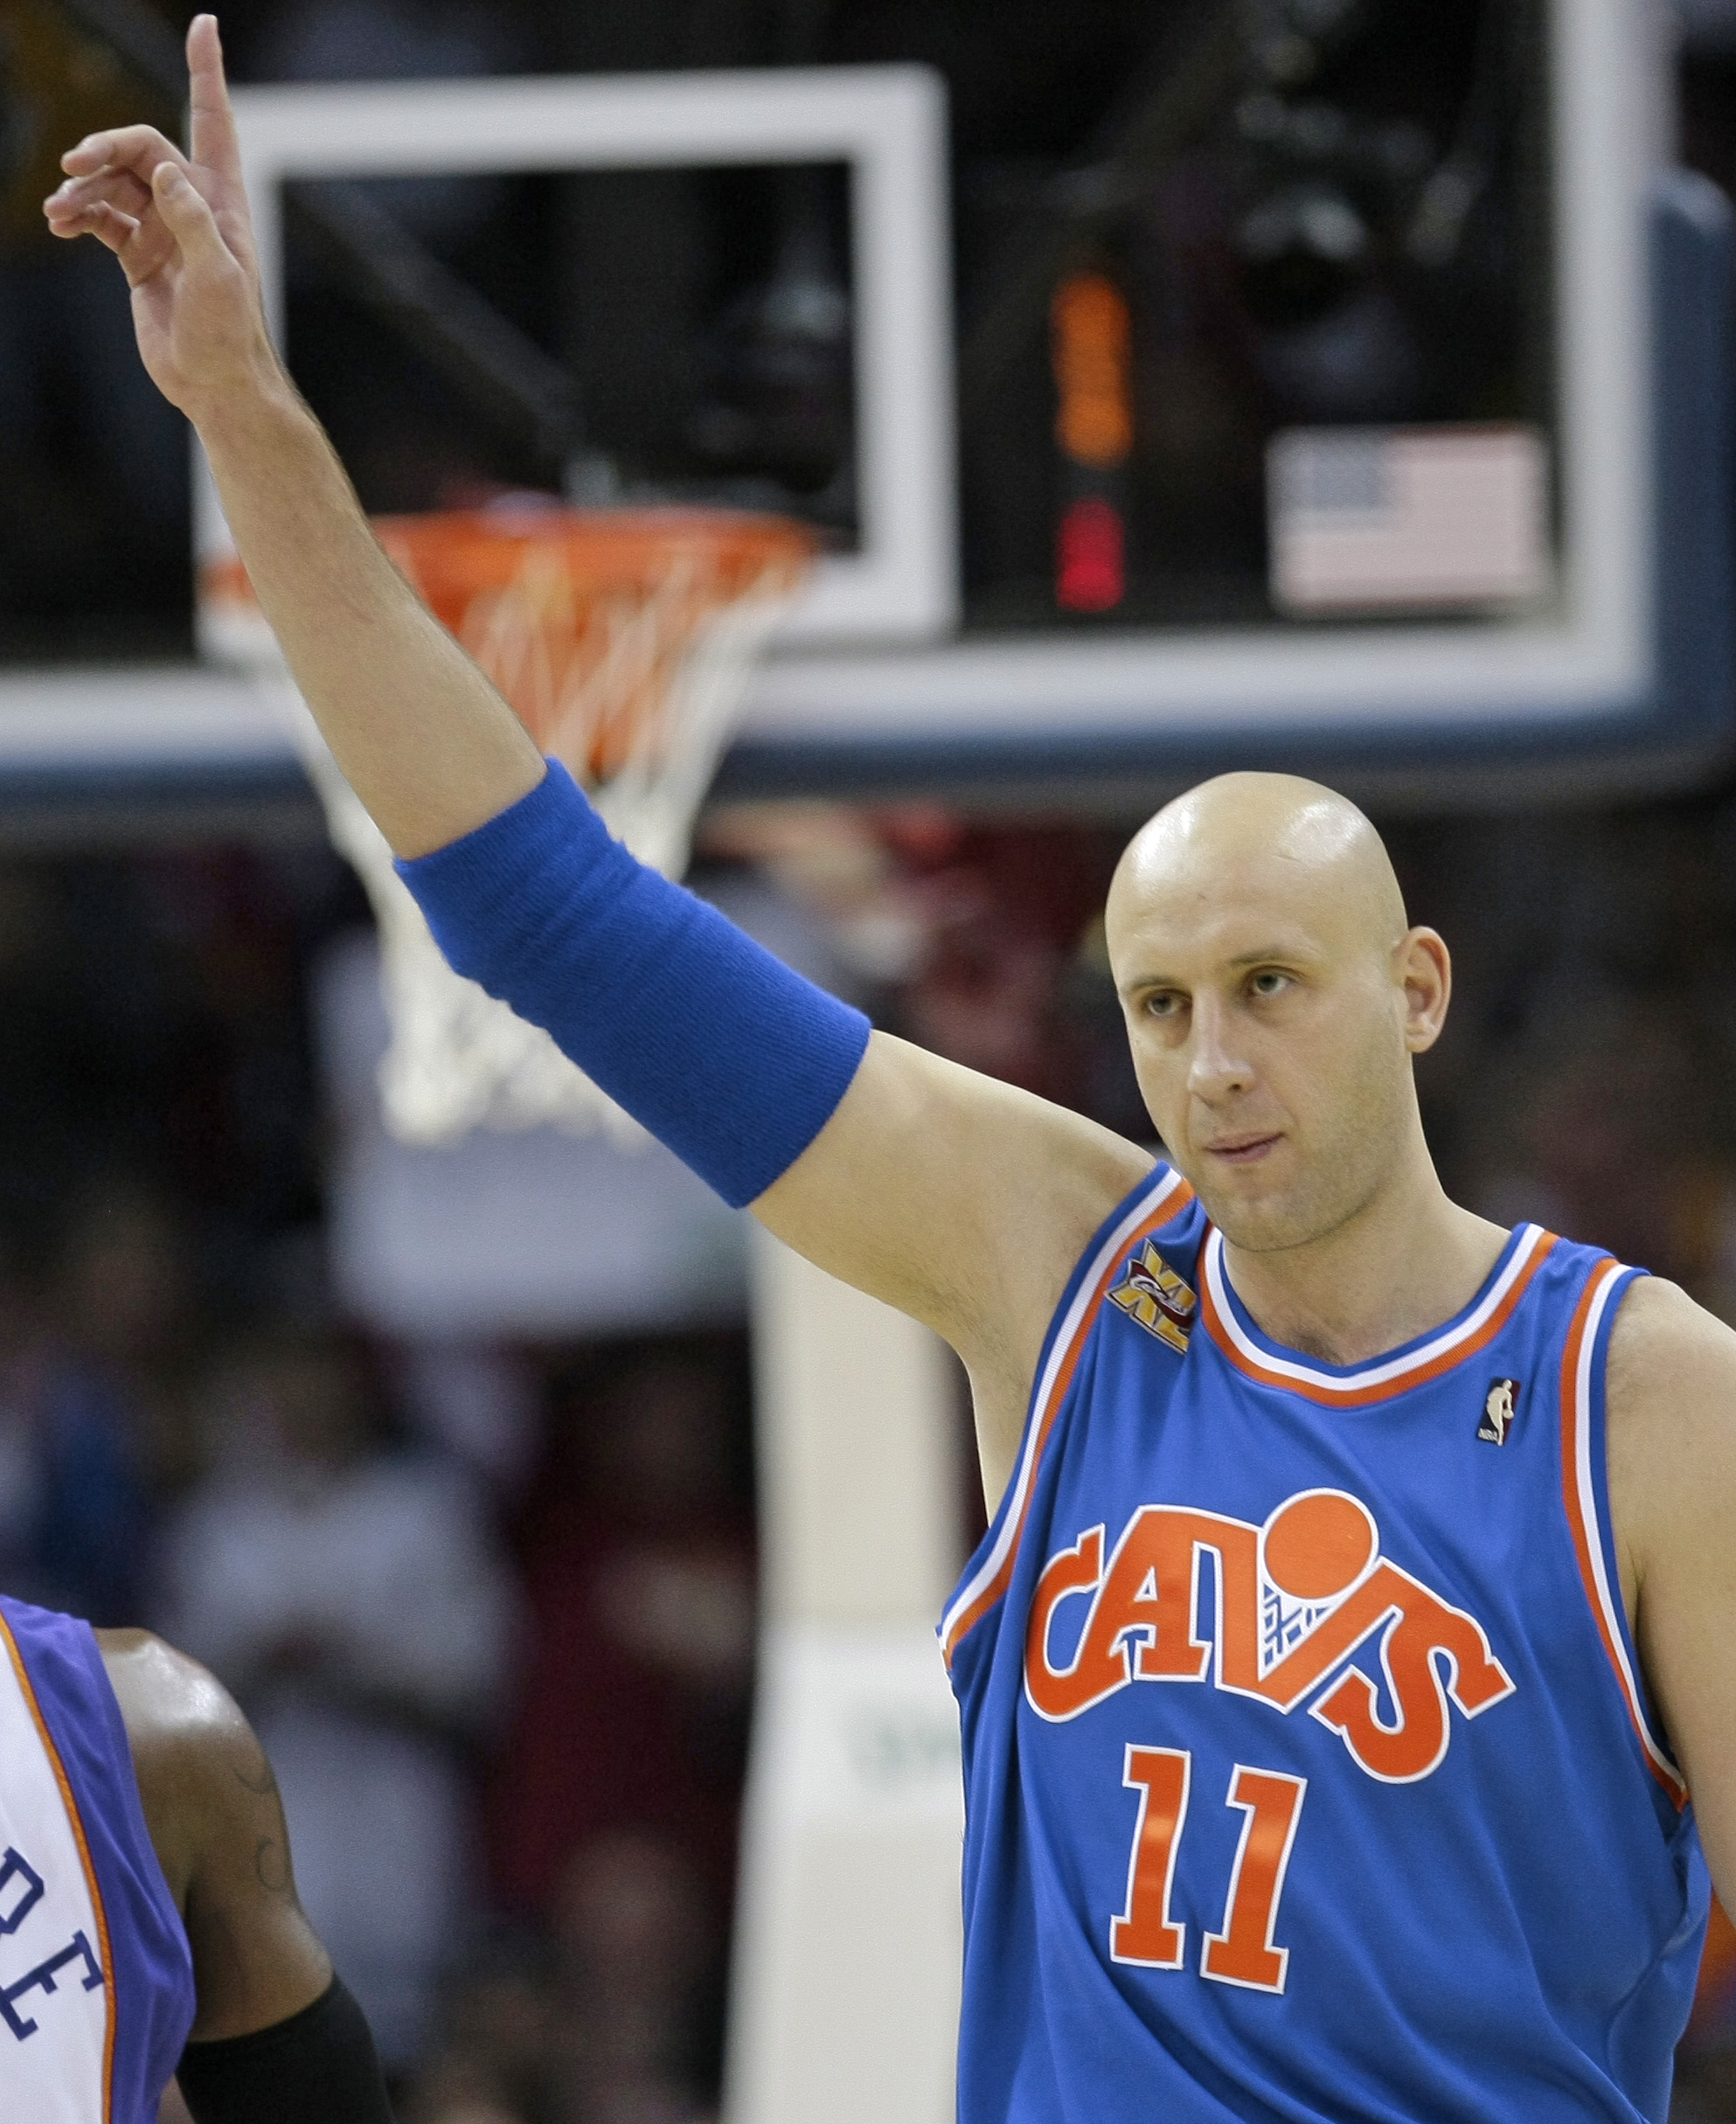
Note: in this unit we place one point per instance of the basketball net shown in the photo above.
(624, 641)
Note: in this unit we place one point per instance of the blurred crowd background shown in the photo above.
(491, 1601)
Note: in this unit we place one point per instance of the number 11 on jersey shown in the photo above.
(1244, 1951)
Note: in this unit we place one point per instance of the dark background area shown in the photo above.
(1360, 239)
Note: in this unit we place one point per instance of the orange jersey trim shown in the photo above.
(1580, 1495)
(992, 1579)
(1379, 1381)
(95, 1892)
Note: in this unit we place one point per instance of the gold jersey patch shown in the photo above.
(1152, 1293)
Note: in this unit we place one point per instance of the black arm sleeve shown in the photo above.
(317, 2067)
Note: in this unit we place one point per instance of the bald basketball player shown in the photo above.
(1356, 1615)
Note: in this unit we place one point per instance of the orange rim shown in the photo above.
(520, 588)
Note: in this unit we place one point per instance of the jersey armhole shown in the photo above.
(123, 1793)
(1585, 1481)
(1158, 1202)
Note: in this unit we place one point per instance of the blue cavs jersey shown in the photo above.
(1309, 1770)
(96, 1983)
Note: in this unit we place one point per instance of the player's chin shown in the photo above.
(1253, 1229)
(1255, 1172)
(1258, 1211)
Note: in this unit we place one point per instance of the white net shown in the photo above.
(637, 691)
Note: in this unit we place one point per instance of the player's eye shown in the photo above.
(1269, 981)
(1165, 1004)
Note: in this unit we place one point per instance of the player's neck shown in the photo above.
(1405, 1264)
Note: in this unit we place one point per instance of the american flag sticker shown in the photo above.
(1382, 520)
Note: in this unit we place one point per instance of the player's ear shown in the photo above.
(1424, 968)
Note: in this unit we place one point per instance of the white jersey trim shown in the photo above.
(1140, 1212)
(1584, 1483)
(1385, 1370)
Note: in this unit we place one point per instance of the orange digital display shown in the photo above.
(1090, 337)
(1091, 345)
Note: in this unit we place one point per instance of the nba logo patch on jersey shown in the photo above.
(1152, 1293)
(1500, 1408)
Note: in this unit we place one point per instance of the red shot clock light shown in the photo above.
(1091, 571)
(1090, 337)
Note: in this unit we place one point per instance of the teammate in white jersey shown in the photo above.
(148, 1922)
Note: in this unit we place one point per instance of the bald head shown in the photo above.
(1274, 997)
(1256, 838)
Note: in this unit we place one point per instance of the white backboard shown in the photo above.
(887, 124)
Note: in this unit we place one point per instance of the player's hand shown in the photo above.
(180, 227)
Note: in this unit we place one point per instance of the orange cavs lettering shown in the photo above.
(1295, 1598)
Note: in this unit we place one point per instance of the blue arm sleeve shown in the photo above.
(712, 1044)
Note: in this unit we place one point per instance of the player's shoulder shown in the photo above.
(1662, 1340)
(168, 1701)
(194, 1755)
(1670, 1402)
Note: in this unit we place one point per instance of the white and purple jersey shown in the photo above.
(1311, 1773)
(96, 1980)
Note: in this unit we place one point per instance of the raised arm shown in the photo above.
(955, 1199)
(977, 1199)
(425, 742)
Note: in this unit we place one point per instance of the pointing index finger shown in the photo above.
(214, 143)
